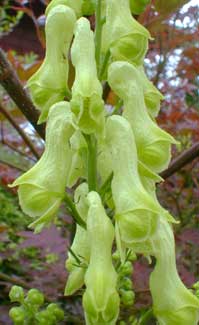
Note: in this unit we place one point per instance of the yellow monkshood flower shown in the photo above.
(76, 5)
(100, 300)
(153, 143)
(86, 103)
(49, 84)
(79, 150)
(127, 39)
(173, 303)
(152, 95)
(80, 247)
(137, 212)
(42, 188)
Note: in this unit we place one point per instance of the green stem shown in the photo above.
(92, 162)
(104, 64)
(146, 317)
(98, 33)
(73, 210)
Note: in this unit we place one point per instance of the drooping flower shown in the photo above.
(42, 188)
(86, 103)
(75, 5)
(49, 84)
(126, 38)
(100, 300)
(153, 144)
(173, 303)
(136, 211)
(80, 247)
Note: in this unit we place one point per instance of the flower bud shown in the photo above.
(17, 314)
(35, 297)
(56, 311)
(16, 294)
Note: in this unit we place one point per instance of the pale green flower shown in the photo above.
(173, 303)
(76, 5)
(86, 103)
(127, 39)
(100, 300)
(153, 144)
(49, 84)
(80, 246)
(137, 212)
(42, 188)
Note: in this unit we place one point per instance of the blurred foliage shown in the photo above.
(8, 18)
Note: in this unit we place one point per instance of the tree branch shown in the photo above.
(12, 85)
(183, 159)
(20, 131)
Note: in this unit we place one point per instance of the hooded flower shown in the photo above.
(76, 5)
(173, 303)
(137, 212)
(100, 300)
(49, 84)
(153, 144)
(86, 103)
(80, 246)
(42, 188)
(127, 39)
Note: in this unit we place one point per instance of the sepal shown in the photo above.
(42, 188)
(86, 103)
(49, 84)
(100, 300)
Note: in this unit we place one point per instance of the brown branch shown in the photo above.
(20, 131)
(11, 83)
(183, 159)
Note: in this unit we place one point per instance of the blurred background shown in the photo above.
(172, 64)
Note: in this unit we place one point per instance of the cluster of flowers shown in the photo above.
(131, 151)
